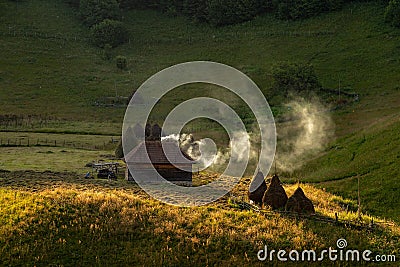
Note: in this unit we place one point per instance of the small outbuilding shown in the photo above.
(177, 168)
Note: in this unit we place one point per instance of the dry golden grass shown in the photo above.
(59, 219)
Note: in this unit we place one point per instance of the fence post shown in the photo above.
(28, 142)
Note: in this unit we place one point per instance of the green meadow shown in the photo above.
(54, 88)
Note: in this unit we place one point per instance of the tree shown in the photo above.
(294, 77)
(95, 11)
(222, 12)
(109, 32)
(392, 14)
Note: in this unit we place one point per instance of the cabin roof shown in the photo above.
(157, 154)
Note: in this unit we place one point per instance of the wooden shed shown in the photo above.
(171, 171)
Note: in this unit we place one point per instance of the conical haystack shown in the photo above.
(275, 196)
(299, 203)
(257, 188)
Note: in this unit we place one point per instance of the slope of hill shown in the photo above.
(371, 155)
(54, 219)
(47, 62)
(52, 76)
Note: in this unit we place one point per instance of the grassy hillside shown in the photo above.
(371, 155)
(47, 62)
(83, 222)
(51, 77)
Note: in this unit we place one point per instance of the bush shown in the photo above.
(109, 32)
(293, 77)
(217, 12)
(95, 11)
(121, 62)
(392, 14)
(119, 151)
(224, 12)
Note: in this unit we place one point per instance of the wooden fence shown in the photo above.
(29, 142)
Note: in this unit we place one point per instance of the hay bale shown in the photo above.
(299, 203)
(257, 189)
(275, 196)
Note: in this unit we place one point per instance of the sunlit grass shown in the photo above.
(66, 220)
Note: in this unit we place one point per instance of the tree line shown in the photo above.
(104, 16)
(226, 12)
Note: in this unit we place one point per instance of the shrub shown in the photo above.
(119, 151)
(121, 62)
(392, 14)
(217, 12)
(95, 11)
(109, 32)
(222, 12)
(293, 77)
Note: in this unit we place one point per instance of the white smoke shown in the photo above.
(306, 133)
(204, 153)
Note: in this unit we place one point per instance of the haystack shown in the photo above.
(299, 203)
(275, 196)
(257, 189)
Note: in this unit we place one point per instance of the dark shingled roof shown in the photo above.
(157, 155)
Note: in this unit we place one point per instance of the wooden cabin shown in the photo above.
(169, 170)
